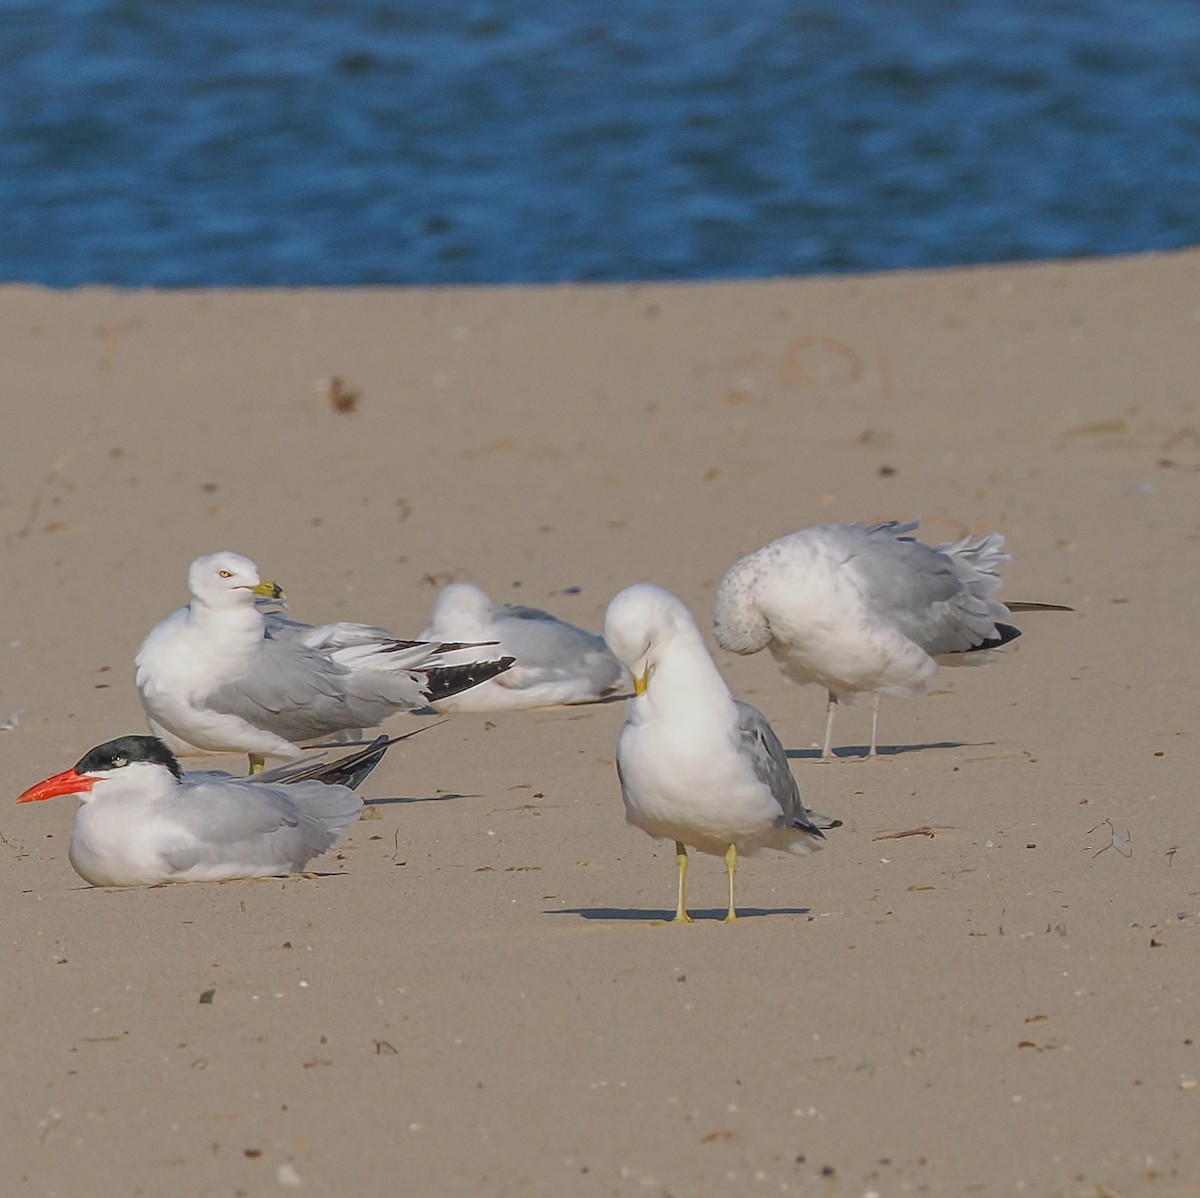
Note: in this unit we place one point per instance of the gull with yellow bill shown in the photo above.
(222, 675)
(695, 766)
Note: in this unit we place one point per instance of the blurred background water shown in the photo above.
(208, 142)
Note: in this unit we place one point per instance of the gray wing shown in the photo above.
(300, 694)
(329, 638)
(554, 649)
(416, 671)
(937, 597)
(325, 635)
(761, 745)
(256, 826)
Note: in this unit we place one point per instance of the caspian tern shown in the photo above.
(144, 822)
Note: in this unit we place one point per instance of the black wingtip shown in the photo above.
(444, 681)
(355, 766)
(815, 824)
(1004, 634)
(350, 770)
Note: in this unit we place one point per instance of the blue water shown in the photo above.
(186, 142)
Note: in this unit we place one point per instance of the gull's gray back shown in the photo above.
(770, 763)
(937, 597)
(327, 636)
(538, 639)
(301, 694)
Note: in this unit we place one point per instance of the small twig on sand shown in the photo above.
(923, 830)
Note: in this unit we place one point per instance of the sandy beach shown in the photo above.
(478, 994)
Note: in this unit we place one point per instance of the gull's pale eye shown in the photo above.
(224, 573)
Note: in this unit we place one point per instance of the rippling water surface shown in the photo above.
(185, 142)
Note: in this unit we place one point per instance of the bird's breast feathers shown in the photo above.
(183, 663)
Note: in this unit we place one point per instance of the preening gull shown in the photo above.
(142, 821)
(222, 675)
(553, 662)
(695, 766)
(860, 609)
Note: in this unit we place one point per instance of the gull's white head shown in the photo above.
(738, 621)
(229, 580)
(641, 621)
(459, 602)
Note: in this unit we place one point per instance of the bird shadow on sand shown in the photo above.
(656, 915)
(308, 875)
(859, 752)
(402, 799)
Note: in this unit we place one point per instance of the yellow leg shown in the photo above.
(681, 915)
(256, 763)
(731, 865)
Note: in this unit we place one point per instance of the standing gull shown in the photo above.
(695, 766)
(223, 676)
(553, 662)
(143, 822)
(871, 609)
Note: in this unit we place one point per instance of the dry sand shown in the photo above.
(479, 996)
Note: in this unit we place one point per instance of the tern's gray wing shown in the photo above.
(935, 597)
(761, 745)
(555, 650)
(256, 827)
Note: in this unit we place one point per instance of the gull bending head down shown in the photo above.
(867, 610)
(221, 676)
(695, 766)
